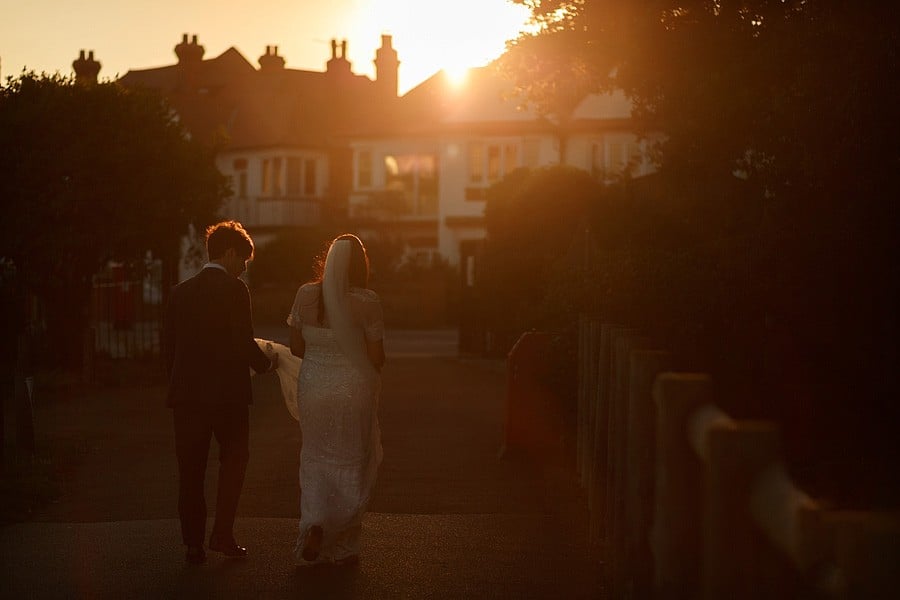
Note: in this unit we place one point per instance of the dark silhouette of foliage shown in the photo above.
(290, 257)
(784, 285)
(532, 216)
(90, 173)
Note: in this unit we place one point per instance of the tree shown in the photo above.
(798, 98)
(290, 257)
(532, 219)
(90, 173)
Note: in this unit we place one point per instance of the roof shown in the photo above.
(226, 98)
(486, 103)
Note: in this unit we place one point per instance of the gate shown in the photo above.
(126, 312)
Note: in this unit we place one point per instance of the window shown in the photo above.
(309, 177)
(294, 175)
(476, 162)
(364, 169)
(413, 179)
(615, 156)
(266, 183)
(240, 178)
(491, 161)
(598, 160)
(242, 184)
(510, 158)
(276, 176)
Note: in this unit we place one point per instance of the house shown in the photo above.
(280, 131)
(303, 148)
(423, 177)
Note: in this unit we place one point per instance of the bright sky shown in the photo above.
(46, 35)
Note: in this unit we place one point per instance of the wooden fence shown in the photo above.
(686, 502)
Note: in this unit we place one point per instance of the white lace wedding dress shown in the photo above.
(337, 406)
(341, 445)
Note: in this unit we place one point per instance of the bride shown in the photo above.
(337, 329)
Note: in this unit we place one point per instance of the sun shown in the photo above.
(435, 35)
(457, 74)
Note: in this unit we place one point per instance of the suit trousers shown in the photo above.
(195, 425)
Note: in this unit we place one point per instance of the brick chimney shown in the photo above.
(386, 69)
(189, 52)
(190, 57)
(338, 65)
(270, 61)
(86, 68)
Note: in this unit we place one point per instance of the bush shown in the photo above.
(787, 305)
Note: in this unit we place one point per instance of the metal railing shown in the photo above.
(126, 319)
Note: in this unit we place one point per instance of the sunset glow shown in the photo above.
(457, 75)
(429, 35)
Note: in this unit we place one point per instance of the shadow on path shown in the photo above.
(449, 519)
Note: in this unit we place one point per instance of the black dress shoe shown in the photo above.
(195, 555)
(227, 547)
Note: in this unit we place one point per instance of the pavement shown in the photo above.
(450, 518)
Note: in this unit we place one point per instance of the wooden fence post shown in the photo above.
(866, 553)
(583, 370)
(738, 562)
(676, 537)
(597, 494)
(645, 366)
(623, 346)
(592, 348)
(588, 346)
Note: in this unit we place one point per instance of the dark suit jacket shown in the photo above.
(208, 338)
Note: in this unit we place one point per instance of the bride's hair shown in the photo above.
(357, 270)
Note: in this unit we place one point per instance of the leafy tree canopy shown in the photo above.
(532, 218)
(788, 276)
(799, 92)
(90, 173)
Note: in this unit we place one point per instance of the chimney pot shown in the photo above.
(184, 38)
(270, 61)
(86, 68)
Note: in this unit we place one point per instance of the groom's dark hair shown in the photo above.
(228, 234)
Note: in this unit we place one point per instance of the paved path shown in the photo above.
(449, 518)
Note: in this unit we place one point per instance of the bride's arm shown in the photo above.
(298, 344)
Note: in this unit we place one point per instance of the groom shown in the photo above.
(209, 348)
